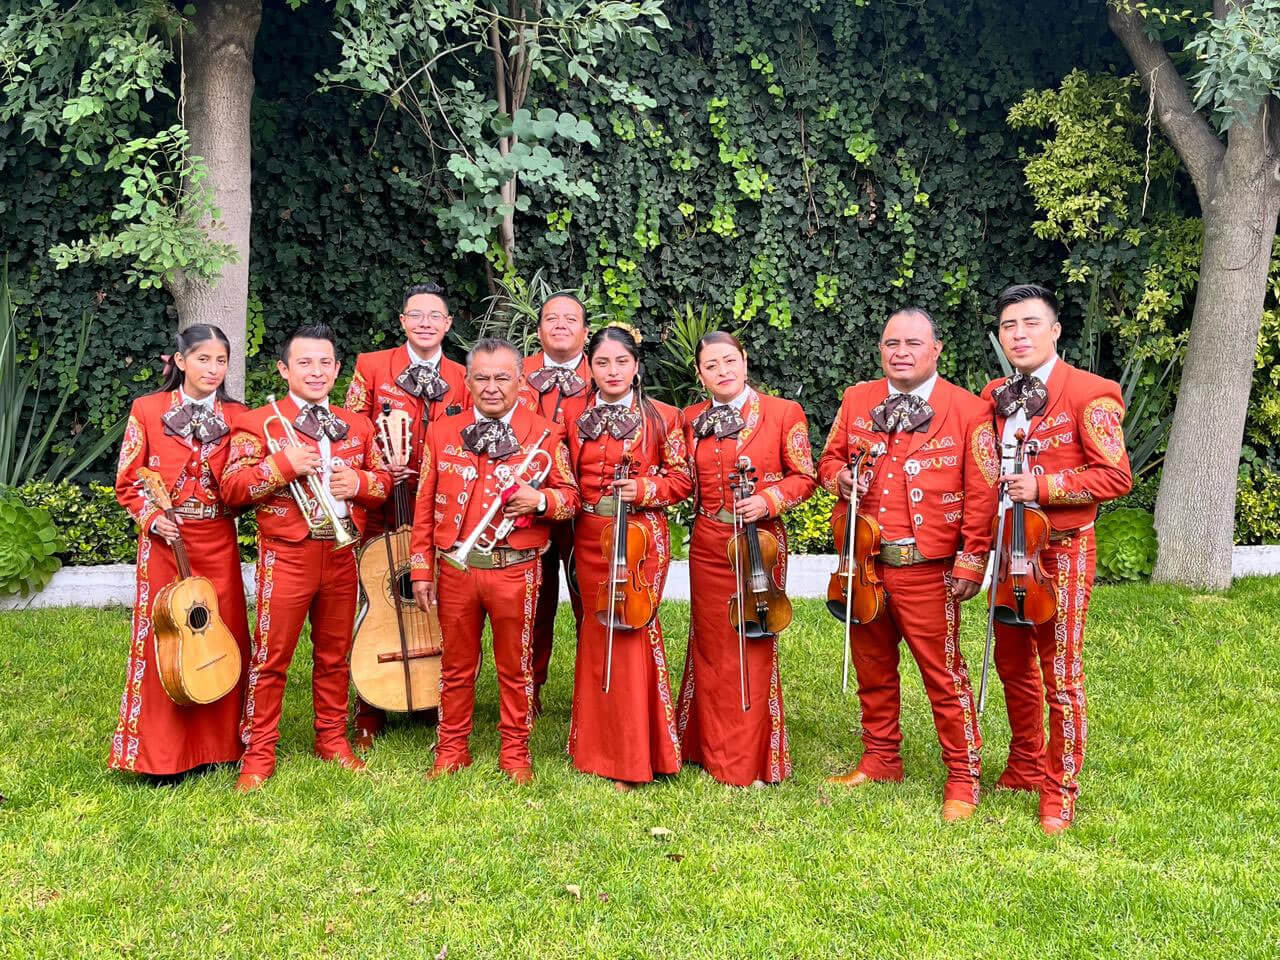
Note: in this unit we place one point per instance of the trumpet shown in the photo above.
(533, 469)
(314, 497)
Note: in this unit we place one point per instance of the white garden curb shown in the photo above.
(112, 584)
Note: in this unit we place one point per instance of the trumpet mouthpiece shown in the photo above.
(271, 398)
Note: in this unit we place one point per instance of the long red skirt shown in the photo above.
(628, 733)
(154, 735)
(734, 746)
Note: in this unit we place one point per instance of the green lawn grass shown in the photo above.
(1175, 853)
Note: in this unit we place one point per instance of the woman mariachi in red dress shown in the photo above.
(736, 746)
(627, 734)
(180, 432)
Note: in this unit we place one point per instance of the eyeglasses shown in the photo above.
(416, 315)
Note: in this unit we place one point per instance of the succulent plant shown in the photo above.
(28, 544)
(1126, 544)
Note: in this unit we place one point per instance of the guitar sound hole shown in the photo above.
(404, 585)
(197, 618)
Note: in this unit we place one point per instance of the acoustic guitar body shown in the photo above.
(197, 657)
(377, 654)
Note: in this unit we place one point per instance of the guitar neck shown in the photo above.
(179, 550)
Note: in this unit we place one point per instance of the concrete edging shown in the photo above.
(112, 584)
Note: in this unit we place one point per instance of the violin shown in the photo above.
(1021, 594)
(760, 607)
(855, 593)
(627, 600)
(397, 647)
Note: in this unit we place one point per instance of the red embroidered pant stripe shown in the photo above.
(921, 612)
(544, 623)
(1048, 662)
(296, 582)
(508, 598)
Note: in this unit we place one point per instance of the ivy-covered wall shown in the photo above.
(809, 166)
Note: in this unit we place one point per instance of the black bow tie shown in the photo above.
(902, 411)
(723, 421)
(423, 380)
(566, 380)
(1021, 391)
(492, 437)
(315, 421)
(194, 420)
(621, 422)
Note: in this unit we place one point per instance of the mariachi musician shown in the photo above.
(730, 713)
(624, 447)
(931, 493)
(181, 432)
(1074, 422)
(312, 470)
(556, 387)
(493, 479)
(419, 379)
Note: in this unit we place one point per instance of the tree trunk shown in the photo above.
(219, 93)
(1195, 508)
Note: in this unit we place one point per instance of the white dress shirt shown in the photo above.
(433, 361)
(1020, 421)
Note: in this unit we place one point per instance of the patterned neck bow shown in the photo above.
(194, 421)
(723, 421)
(315, 421)
(902, 411)
(621, 422)
(568, 382)
(423, 380)
(492, 437)
(1021, 390)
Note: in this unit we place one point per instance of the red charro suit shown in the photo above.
(299, 577)
(563, 409)
(733, 746)
(154, 735)
(628, 733)
(456, 488)
(373, 384)
(936, 485)
(1081, 462)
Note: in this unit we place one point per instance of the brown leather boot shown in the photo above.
(520, 776)
(953, 810)
(249, 782)
(854, 778)
(1052, 826)
(343, 757)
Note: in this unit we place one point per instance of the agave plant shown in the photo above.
(1126, 544)
(675, 379)
(514, 310)
(29, 543)
(24, 450)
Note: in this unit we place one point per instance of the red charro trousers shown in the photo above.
(920, 611)
(299, 581)
(544, 623)
(508, 597)
(1047, 662)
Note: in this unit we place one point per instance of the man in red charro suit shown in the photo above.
(932, 491)
(418, 378)
(462, 462)
(300, 574)
(1075, 420)
(556, 387)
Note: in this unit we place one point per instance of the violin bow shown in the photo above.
(739, 486)
(851, 533)
(996, 548)
(619, 536)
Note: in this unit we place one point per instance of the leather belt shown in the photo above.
(1062, 536)
(604, 507)
(901, 554)
(722, 515)
(195, 510)
(499, 558)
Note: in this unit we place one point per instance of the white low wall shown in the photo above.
(112, 584)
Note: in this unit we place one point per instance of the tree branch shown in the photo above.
(1197, 145)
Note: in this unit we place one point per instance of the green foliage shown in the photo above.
(1239, 61)
(28, 544)
(1126, 545)
(809, 525)
(672, 370)
(1258, 506)
(93, 526)
(52, 454)
(83, 77)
